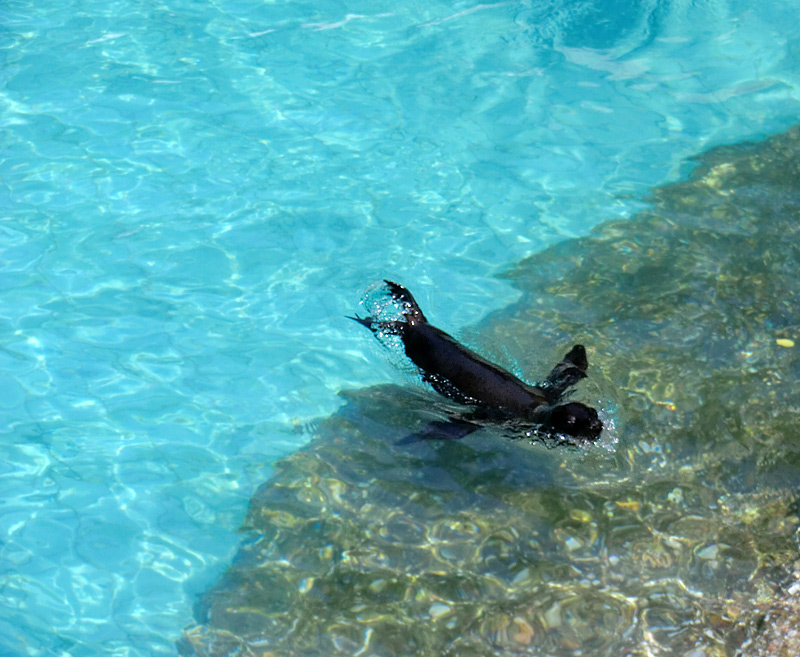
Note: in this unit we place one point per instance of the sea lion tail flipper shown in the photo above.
(401, 294)
(567, 373)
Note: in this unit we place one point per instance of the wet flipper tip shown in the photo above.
(361, 320)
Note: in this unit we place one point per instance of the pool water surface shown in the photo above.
(194, 194)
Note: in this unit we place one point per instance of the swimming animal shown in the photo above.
(495, 395)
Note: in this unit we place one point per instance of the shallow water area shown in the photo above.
(194, 194)
(676, 534)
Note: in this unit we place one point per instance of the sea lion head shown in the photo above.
(574, 419)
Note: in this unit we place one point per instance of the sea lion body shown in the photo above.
(444, 361)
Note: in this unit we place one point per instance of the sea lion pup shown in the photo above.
(495, 394)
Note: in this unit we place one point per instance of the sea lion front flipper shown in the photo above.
(452, 429)
(567, 373)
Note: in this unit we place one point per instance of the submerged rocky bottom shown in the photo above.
(675, 535)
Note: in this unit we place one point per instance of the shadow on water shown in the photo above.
(673, 537)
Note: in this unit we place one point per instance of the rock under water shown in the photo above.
(675, 535)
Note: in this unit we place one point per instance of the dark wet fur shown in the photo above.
(495, 394)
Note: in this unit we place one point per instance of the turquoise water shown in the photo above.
(193, 194)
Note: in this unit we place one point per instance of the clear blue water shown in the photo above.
(193, 194)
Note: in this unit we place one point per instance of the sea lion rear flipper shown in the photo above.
(364, 321)
(452, 429)
(567, 373)
(387, 328)
(401, 294)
